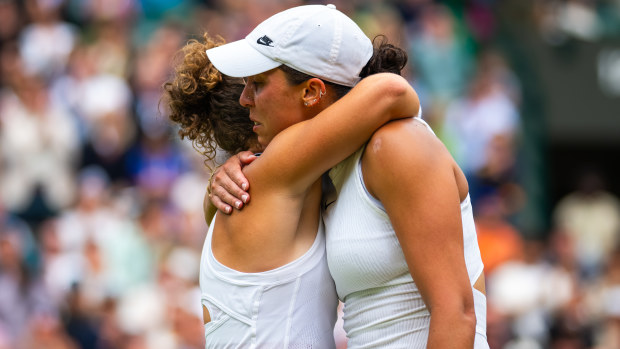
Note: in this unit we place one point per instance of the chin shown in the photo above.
(262, 144)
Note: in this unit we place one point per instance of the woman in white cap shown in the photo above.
(401, 241)
(264, 277)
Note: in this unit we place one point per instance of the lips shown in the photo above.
(256, 125)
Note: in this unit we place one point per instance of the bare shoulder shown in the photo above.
(406, 138)
(405, 151)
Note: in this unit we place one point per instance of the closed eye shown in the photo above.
(253, 83)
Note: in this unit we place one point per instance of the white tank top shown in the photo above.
(382, 305)
(293, 306)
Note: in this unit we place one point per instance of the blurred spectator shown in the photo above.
(11, 21)
(441, 59)
(73, 243)
(187, 196)
(150, 71)
(570, 324)
(591, 216)
(89, 217)
(99, 97)
(563, 20)
(24, 298)
(481, 20)
(485, 119)
(93, 11)
(605, 303)
(81, 319)
(524, 293)
(38, 147)
(498, 240)
(154, 164)
(46, 331)
(45, 43)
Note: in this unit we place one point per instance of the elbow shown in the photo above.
(457, 323)
(468, 325)
(404, 99)
(467, 316)
(464, 318)
(469, 319)
(394, 85)
(393, 93)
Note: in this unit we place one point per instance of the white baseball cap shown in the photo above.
(317, 40)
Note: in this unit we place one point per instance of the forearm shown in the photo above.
(316, 144)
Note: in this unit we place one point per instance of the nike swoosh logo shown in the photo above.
(265, 41)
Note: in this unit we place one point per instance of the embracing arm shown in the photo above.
(300, 154)
(413, 175)
(313, 146)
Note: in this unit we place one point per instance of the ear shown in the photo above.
(314, 90)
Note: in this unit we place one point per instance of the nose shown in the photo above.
(247, 96)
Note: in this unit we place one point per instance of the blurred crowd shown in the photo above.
(101, 221)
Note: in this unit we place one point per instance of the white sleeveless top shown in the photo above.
(293, 306)
(382, 305)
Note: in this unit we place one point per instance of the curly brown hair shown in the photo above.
(205, 103)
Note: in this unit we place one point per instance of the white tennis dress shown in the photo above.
(293, 306)
(382, 305)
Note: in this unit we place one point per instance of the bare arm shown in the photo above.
(297, 156)
(327, 138)
(413, 175)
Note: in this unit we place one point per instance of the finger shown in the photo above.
(222, 180)
(246, 157)
(220, 193)
(220, 205)
(224, 184)
(238, 184)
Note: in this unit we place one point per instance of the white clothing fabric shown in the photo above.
(383, 307)
(293, 306)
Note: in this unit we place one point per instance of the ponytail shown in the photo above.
(386, 58)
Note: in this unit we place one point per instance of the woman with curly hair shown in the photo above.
(205, 104)
(264, 278)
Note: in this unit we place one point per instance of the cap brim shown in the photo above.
(239, 59)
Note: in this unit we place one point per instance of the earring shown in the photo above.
(306, 104)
